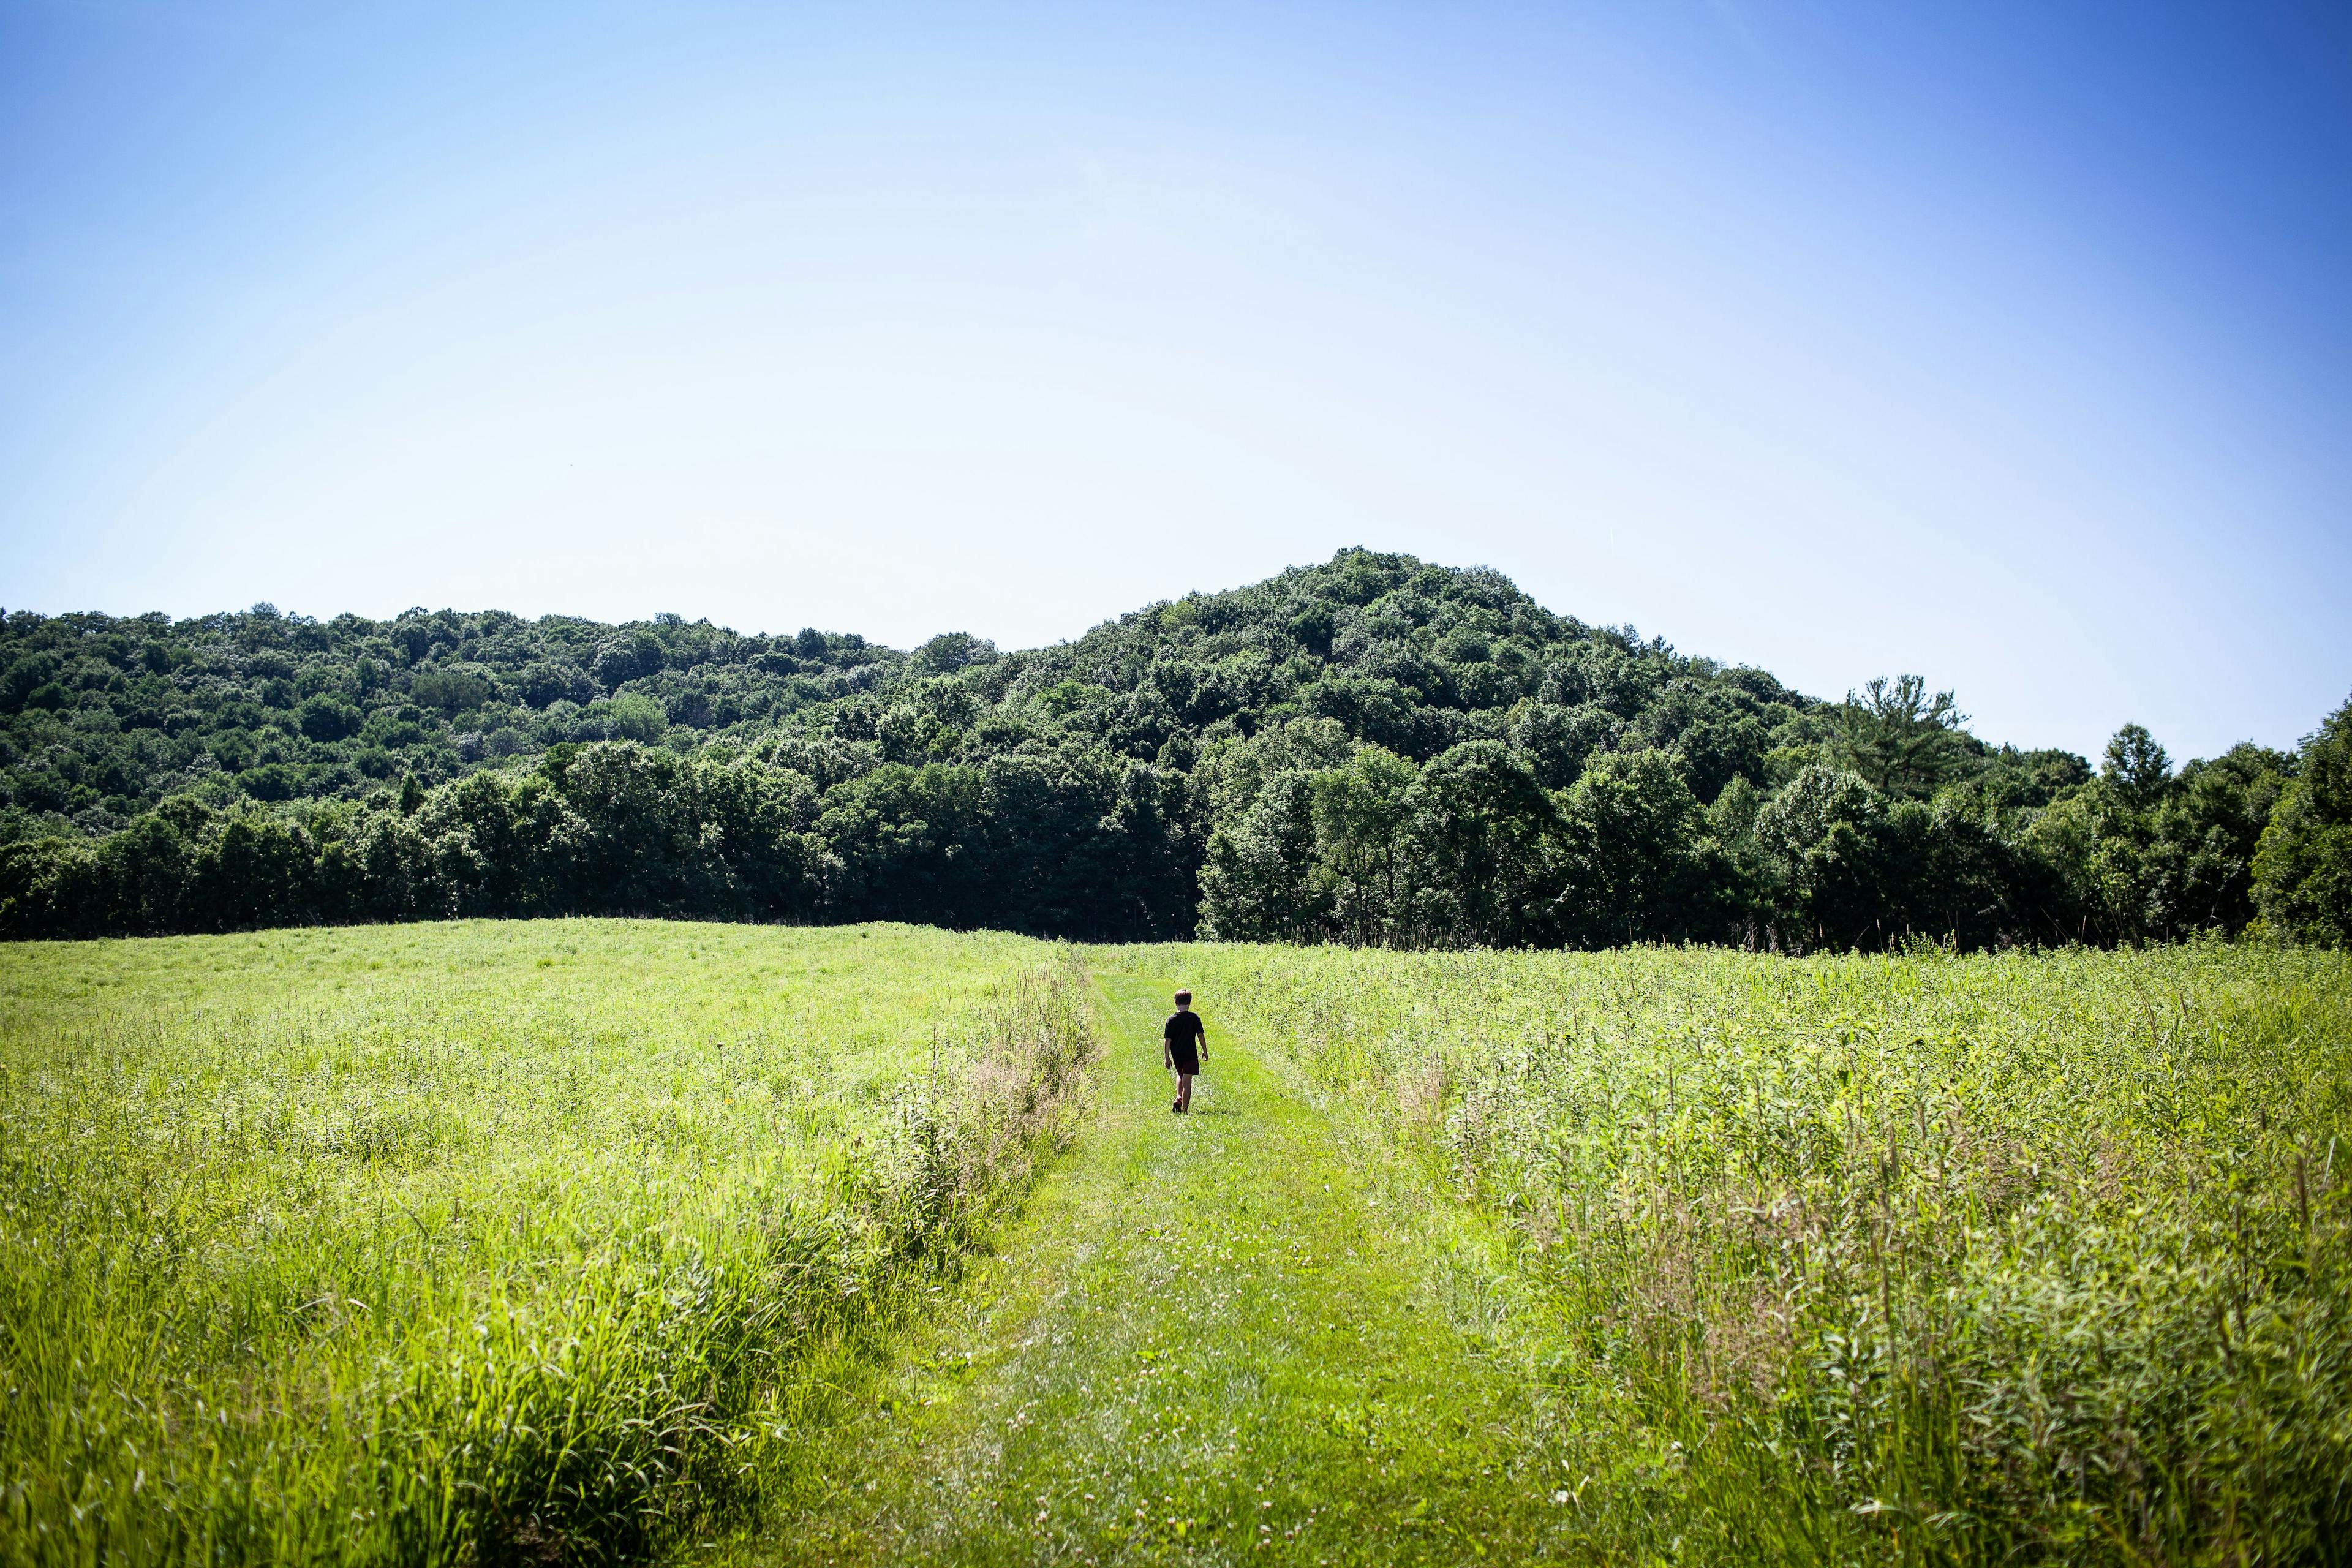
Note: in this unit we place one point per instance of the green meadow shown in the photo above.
(577, 1241)
(448, 1243)
(1921, 1259)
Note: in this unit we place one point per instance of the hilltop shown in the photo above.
(1192, 763)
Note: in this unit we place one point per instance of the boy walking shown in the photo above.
(1180, 1043)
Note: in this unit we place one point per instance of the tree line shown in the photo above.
(1372, 750)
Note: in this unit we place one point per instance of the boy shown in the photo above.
(1180, 1043)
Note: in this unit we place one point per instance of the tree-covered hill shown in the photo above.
(1373, 749)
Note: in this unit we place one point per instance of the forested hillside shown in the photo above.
(1373, 750)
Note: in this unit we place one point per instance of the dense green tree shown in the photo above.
(141, 877)
(2136, 768)
(1559, 741)
(1479, 862)
(1361, 808)
(1898, 738)
(2303, 870)
(1640, 864)
(1946, 871)
(953, 651)
(2009, 780)
(904, 838)
(1458, 764)
(2139, 854)
(1146, 887)
(543, 683)
(330, 717)
(2209, 825)
(261, 871)
(625, 656)
(1821, 833)
(2095, 847)
(1259, 884)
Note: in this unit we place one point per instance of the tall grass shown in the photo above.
(476, 1242)
(1919, 1259)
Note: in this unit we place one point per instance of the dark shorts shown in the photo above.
(1187, 1058)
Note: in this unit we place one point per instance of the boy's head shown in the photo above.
(1183, 999)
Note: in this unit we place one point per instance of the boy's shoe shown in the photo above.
(1176, 1107)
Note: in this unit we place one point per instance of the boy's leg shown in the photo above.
(1185, 1090)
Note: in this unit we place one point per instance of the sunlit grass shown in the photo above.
(1211, 1340)
(1922, 1257)
(576, 1239)
(436, 1242)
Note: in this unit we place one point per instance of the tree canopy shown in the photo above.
(1371, 750)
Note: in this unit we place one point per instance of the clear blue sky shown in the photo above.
(2010, 344)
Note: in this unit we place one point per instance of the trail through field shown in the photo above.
(1208, 1340)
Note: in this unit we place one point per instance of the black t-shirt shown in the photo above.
(1182, 1032)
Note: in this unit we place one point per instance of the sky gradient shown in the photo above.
(2011, 345)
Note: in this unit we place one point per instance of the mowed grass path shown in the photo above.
(1208, 1340)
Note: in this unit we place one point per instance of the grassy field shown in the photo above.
(579, 1240)
(1211, 1339)
(1907, 1259)
(477, 1242)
